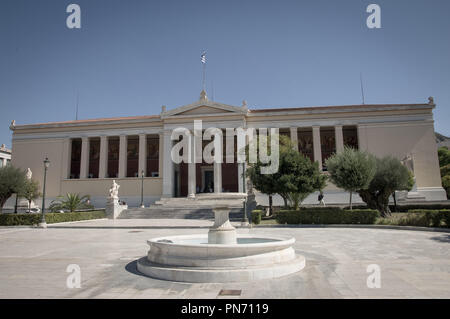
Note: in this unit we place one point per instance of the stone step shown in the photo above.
(166, 213)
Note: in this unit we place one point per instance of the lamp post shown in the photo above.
(43, 223)
(244, 189)
(142, 189)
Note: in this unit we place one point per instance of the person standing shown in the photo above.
(320, 199)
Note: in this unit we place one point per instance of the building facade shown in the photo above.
(5, 155)
(86, 155)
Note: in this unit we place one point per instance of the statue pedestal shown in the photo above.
(113, 208)
(222, 232)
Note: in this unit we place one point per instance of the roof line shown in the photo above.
(147, 117)
(307, 108)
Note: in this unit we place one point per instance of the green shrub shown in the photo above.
(446, 217)
(50, 218)
(418, 217)
(256, 216)
(414, 219)
(19, 219)
(329, 215)
(406, 208)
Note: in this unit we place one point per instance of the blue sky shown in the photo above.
(131, 57)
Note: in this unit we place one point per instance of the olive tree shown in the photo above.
(12, 181)
(390, 176)
(30, 191)
(351, 170)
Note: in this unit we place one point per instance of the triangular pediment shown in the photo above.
(204, 107)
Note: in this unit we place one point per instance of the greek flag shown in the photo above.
(203, 57)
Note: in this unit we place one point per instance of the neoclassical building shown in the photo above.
(86, 155)
(5, 155)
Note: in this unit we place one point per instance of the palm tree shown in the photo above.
(71, 202)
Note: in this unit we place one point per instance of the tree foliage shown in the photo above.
(296, 178)
(391, 175)
(444, 164)
(444, 156)
(30, 191)
(12, 181)
(71, 202)
(351, 170)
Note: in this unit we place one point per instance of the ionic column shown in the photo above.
(192, 178)
(103, 157)
(317, 146)
(84, 166)
(294, 138)
(160, 155)
(362, 138)
(122, 156)
(142, 154)
(240, 180)
(217, 177)
(168, 165)
(339, 138)
(67, 156)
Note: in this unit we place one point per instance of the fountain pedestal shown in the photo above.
(222, 232)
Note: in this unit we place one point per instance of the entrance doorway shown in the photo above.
(207, 181)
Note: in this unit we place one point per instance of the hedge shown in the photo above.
(256, 216)
(406, 208)
(50, 218)
(19, 219)
(329, 215)
(428, 217)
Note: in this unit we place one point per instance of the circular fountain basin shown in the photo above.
(190, 258)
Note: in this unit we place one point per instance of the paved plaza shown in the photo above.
(33, 262)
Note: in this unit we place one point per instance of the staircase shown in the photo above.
(178, 213)
(200, 207)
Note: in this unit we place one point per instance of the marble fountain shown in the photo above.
(220, 256)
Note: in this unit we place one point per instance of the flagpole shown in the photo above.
(362, 88)
(203, 60)
(204, 76)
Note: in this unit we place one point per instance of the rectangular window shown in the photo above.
(305, 142)
(94, 157)
(133, 156)
(113, 157)
(350, 134)
(152, 156)
(75, 158)
(328, 143)
(283, 131)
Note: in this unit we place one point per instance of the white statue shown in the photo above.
(408, 161)
(12, 126)
(29, 173)
(114, 190)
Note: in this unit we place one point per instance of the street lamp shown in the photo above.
(43, 224)
(142, 189)
(245, 219)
